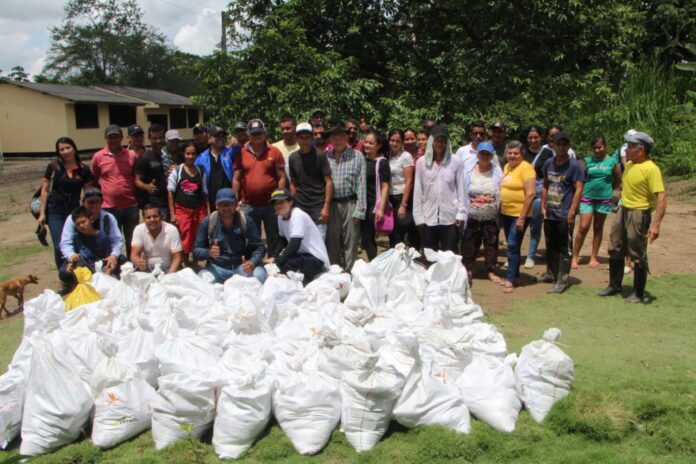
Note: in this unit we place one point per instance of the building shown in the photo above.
(33, 116)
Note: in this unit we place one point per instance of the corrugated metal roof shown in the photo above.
(159, 97)
(76, 93)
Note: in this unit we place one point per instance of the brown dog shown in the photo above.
(15, 288)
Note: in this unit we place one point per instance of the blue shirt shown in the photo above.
(107, 225)
(561, 180)
(233, 243)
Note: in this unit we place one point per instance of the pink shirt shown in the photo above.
(116, 174)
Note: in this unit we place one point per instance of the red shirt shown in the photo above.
(116, 177)
(259, 175)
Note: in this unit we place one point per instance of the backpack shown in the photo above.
(35, 203)
(213, 220)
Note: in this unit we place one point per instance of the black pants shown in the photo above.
(440, 238)
(559, 245)
(368, 241)
(403, 228)
(307, 264)
(476, 234)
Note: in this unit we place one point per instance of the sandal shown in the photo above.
(508, 287)
(494, 278)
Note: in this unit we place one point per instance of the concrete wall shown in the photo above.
(88, 139)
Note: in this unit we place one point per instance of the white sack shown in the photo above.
(11, 401)
(544, 374)
(57, 402)
(449, 352)
(188, 354)
(337, 279)
(43, 313)
(102, 283)
(448, 282)
(367, 288)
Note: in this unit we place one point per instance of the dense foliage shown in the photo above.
(396, 62)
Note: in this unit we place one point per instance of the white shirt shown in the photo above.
(300, 225)
(438, 193)
(160, 249)
(397, 165)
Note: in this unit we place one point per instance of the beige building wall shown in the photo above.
(88, 139)
(30, 122)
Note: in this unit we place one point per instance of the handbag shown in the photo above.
(386, 225)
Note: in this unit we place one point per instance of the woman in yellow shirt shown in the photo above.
(517, 190)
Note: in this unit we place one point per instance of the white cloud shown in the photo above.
(201, 37)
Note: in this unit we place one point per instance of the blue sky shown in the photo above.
(191, 25)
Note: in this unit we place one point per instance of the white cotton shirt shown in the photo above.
(438, 193)
(160, 249)
(397, 165)
(300, 225)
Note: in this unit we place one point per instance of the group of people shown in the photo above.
(320, 193)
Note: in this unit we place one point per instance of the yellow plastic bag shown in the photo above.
(84, 293)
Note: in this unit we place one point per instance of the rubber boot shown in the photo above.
(551, 268)
(640, 278)
(561, 284)
(616, 272)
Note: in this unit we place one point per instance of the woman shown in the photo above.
(187, 193)
(602, 176)
(61, 186)
(375, 146)
(517, 189)
(411, 142)
(481, 203)
(531, 153)
(401, 190)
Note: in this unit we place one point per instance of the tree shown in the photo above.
(18, 74)
(105, 42)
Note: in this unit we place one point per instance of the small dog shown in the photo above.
(15, 288)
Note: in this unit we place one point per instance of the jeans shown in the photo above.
(127, 219)
(513, 237)
(266, 215)
(221, 274)
(440, 238)
(56, 214)
(535, 224)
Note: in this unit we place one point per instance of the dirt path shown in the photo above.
(673, 252)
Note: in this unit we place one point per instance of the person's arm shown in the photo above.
(176, 262)
(45, 183)
(138, 257)
(461, 198)
(172, 210)
(140, 184)
(67, 248)
(660, 209)
(254, 242)
(529, 194)
(408, 189)
(579, 186)
(544, 196)
(359, 213)
(282, 180)
(418, 215)
(617, 177)
(201, 247)
(115, 238)
(289, 251)
(328, 194)
(237, 183)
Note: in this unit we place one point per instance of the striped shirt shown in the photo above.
(348, 175)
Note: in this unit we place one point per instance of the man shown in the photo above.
(200, 138)
(101, 221)
(171, 153)
(634, 228)
(240, 132)
(564, 179)
(136, 140)
(477, 134)
(438, 193)
(288, 142)
(320, 138)
(258, 171)
(317, 116)
(428, 125)
(217, 163)
(364, 126)
(155, 242)
(151, 172)
(224, 240)
(353, 141)
(114, 167)
(310, 179)
(305, 251)
(498, 135)
(349, 200)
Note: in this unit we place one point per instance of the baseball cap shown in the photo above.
(485, 146)
(303, 127)
(256, 126)
(280, 194)
(240, 126)
(561, 136)
(499, 125)
(135, 129)
(112, 129)
(172, 134)
(316, 111)
(199, 128)
(214, 130)
(225, 194)
(93, 192)
(439, 131)
(641, 138)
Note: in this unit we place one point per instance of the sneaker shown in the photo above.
(529, 263)
(505, 265)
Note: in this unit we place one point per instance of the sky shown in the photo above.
(192, 26)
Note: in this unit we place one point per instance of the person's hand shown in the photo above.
(247, 266)
(171, 168)
(458, 223)
(571, 218)
(543, 213)
(402, 212)
(519, 225)
(152, 187)
(41, 219)
(356, 221)
(111, 263)
(653, 233)
(324, 215)
(215, 250)
(74, 258)
(379, 216)
(268, 260)
(172, 218)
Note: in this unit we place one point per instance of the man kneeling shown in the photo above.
(226, 238)
(305, 251)
(155, 242)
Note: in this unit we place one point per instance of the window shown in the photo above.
(192, 118)
(121, 115)
(177, 118)
(86, 116)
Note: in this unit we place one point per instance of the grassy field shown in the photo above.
(633, 400)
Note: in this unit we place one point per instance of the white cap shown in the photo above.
(172, 134)
(303, 127)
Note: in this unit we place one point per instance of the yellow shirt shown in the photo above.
(512, 188)
(641, 184)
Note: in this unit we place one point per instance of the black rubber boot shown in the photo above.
(561, 284)
(551, 268)
(640, 278)
(616, 272)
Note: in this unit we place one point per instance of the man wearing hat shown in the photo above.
(258, 171)
(634, 227)
(171, 153)
(349, 201)
(114, 168)
(305, 251)
(317, 116)
(136, 140)
(564, 179)
(200, 138)
(310, 179)
(217, 163)
(498, 134)
(229, 241)
(240, 133)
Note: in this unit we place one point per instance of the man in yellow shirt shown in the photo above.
(633, 228)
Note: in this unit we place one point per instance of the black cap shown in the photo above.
(439, 131)
(240, 126)
(112, 129)
(561, 136)
(214, 130)
(499, 125)
(93, 192)
(135, 129)
(256, 126)
(199, 128)
(280, 194)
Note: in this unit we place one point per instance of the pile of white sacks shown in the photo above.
(391, 341)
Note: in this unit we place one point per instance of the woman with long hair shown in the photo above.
(401, 189)
(61, 187)
(531, 152)
(376, 164)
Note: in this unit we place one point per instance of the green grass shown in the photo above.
(632, 401)
(16, 255)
